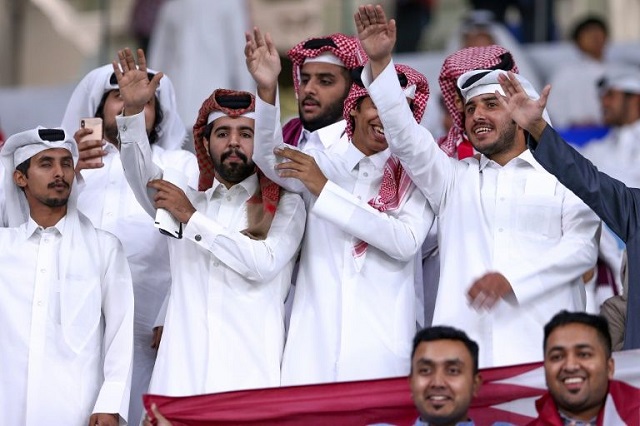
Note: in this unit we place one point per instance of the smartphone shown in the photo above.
(94, 123)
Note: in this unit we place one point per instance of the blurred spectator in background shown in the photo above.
(480, 28)
(574, 100)
(527, 31)
(199, 44)
(618, 153)
(143, 17)
(411, 17)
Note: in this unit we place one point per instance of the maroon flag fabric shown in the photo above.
(508, 394)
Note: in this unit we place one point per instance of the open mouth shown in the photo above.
(573, 383)
(378, 130)
(481, 130)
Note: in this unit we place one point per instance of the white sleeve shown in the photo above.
(429, 167)
(117, 309)
(256, 260)
(399, 234)
(137, 159)
(268, 136)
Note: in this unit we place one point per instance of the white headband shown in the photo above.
(327, 58)
(214, 115)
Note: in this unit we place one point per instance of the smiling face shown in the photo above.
(577, 370)
(321, 94)
(490, 129)
(231, 148)
(442, 381)
(368, 132)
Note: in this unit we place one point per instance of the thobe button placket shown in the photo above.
(216, 263)
(228, 197)
(123, 128)
(42, 271)
(198, 237)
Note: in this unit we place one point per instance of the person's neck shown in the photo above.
(585, 416)
(47, 216)
(503, 157)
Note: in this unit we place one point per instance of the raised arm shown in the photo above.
(377, 36)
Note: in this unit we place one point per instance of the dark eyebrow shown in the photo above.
(474, 100)
(319, 74)
(448, 362)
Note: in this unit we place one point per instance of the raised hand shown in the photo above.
(526, 112)
(377, 34)
(301, 166)
(263, 61)
(135, 87)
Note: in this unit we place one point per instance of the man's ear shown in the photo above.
(611, 367)
(459, 104)
(205, 142)
(20, 179)
(477, 382)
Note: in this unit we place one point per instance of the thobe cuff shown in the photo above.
(131, 128)
(111, 399)
(202, 230)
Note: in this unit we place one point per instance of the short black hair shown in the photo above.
(206, 132)
(24, 167)
(597, 322)
(443, 332)
(591, 20)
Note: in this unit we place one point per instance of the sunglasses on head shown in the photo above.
(318, 43)
(113, 80)
(234, 101)
(356, 76)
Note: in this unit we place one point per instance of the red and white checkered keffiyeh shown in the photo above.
(456, 64)
(346, 48)
(395, 181)
(268, 193)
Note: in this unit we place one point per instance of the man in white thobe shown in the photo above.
(109, 203)
(514, 242)
(66, 341)
(231, 269)
(354, 313)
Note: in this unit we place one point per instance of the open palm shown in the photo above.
(136, 89)
(377, 34)
(263, 61)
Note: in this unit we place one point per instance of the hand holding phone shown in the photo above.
(89, 155)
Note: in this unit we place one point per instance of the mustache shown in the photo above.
(310, 98)
(57, 182)
(235, 152)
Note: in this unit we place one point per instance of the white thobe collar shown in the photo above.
(352, 157)
(32, 227)
(327, 135)
(250, 185)
(525, 157)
